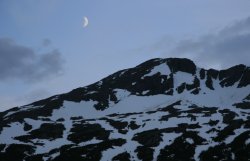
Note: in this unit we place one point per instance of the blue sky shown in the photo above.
(45, 50)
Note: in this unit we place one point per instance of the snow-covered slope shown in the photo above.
(163, 109)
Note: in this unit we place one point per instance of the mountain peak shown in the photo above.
(181, 64)
(162, 109)
(174, 64)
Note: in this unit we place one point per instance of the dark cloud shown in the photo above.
(228, 47)
(225, 48)
(20, 62)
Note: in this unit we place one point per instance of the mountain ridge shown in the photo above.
(159, 99)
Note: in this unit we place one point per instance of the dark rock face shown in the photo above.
(237, 150)
(46, 131)
(195, 87)
(89, 152)
(145, 153)
(245, 80)
(180, 149)
(184, 65)
(212, 73)
(230, 76)
(48, 105)
(27, 127)
(149, 138)
(202, 74)
(85, 132)
(133, 125)
(119, 125)
(243, 105)
(16, 152)
(122, 157)
(163, 109)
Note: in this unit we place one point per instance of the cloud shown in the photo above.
(225, 48)
(46, 42)
(230, 46)
(23, 63)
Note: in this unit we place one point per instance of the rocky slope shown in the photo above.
(163, 109)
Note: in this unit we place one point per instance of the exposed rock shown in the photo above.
(84, 132)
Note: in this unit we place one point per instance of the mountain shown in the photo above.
(162, 109)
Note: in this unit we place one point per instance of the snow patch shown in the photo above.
(9, 133)
(182, 77)
(163, 69)
(190, 140)
(247, 141)
(145, 92)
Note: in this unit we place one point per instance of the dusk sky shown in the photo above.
(45, 50)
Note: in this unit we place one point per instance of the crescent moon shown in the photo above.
(85, 22)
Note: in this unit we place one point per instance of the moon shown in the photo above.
(85, 22)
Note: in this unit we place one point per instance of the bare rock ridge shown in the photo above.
(162, 109)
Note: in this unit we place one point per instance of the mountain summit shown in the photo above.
(162, 109)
